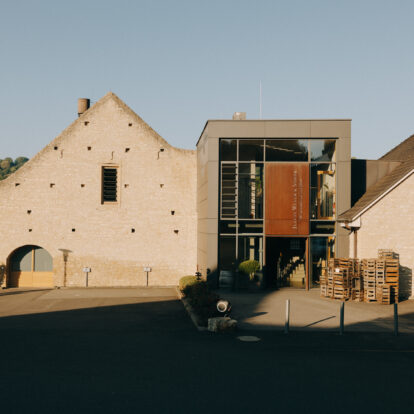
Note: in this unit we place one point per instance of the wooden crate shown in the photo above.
(385, 254)
(384, 294)
(357, 295)
(370, 295)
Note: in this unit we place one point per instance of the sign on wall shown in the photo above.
(287, 199)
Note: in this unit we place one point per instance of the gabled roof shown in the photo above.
(404, 153)
(110, 96)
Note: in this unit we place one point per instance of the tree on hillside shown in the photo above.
(8, 166)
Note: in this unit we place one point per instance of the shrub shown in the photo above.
(186, 281)
(250, 267)
(202, 299)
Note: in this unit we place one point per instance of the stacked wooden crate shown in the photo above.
(357, 293)
(392, 277)
(369, 277)
(392, 266)
(369, 280)
(337, 281)
(382, 289)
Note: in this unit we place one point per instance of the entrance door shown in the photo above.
(31, 266)
(286, 262)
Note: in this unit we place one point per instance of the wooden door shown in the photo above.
(287, 199)
(31, 266)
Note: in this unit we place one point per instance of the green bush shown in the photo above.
(202, 299)
(186, 281)
(249, 267)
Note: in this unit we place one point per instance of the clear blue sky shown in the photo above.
(179, 63)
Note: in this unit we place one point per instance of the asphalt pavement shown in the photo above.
(133, 352)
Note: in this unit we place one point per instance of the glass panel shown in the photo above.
(22, 259)
(227, 253)
(251, 248)
(321, 250)
(323, 150)
(250, 226)
(228, 190)
(251, 150)
(323, 196)
(250, 188)
(228, 227)
(228, 150)
(286, 150)
(43, 261)
(322, 227)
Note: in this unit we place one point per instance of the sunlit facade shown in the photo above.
(278, 194)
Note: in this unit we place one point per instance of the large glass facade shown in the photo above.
(242, 194)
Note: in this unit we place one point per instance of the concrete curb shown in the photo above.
(190, 310)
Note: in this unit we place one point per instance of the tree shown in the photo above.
(8, 166)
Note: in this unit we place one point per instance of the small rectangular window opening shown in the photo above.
(73, 230)
(30, 230)
(126, 185)
(132, 230)
(109, 185)
(82, 185)
(29, 211)
(172, 212)
(52, 185)
(17, 184)
(55, 148)
(89, 148)
(127, 149)
(130, 124)
(86, 123)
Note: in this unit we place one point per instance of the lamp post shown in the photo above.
(65, 260)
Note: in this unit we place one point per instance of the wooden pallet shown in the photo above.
(386, 254)
(384, 294)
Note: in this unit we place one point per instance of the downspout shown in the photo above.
(353, 227)
(355, 243)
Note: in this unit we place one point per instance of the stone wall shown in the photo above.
(54, 201)
(389, 224)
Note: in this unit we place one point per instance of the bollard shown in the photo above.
(287, 316)
(396, 319)
(341, 319)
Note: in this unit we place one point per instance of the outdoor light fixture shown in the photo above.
(223, 306)
(65, 259)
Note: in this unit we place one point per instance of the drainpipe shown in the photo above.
(353, 227)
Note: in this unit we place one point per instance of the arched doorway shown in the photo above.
(31, 266)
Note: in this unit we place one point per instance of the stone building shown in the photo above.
(108, 196)
(383, 218)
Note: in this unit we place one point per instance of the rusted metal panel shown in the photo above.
(287, 199)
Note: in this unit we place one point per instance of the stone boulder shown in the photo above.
(221, 324)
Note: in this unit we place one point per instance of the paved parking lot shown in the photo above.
(309, 312)
(112, 351)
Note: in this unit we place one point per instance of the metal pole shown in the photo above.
(87, 278)
(147, 278)
(341, 319)
(287, 316)
(396, 319)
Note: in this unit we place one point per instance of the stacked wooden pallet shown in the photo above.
(369, 280)
(392, 277)
(337, 281)
(357, 293)
(369, 277)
